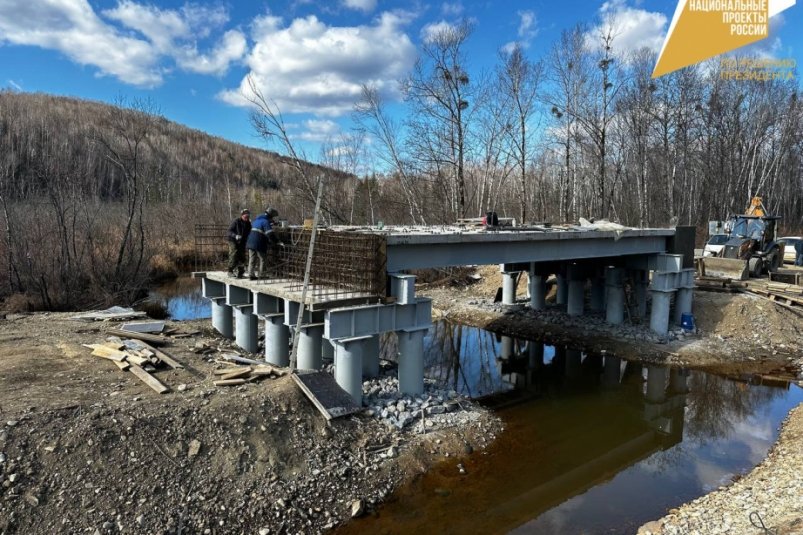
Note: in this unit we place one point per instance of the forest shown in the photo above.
(97, 200)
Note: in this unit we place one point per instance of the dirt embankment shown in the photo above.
(737, 332)
(86, 447)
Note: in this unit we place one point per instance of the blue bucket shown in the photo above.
(687, 322)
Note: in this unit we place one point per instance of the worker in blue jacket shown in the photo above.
(259, 239)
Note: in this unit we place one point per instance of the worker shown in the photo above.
(799, 253)
(238, 234)
(260, 238)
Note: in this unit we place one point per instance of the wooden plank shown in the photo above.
(327, 396)
(144, 327)
(264, 370)
(123, 365)
(229, 382)
(149, 379)
(133, 358)
(165, 357)
(238, 358)
(226, 371)
(150, 338)
(108, 353)
(237, 374)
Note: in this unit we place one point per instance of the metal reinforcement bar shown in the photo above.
(344, 262)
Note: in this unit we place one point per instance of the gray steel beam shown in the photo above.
(368, 320)
(461, 250)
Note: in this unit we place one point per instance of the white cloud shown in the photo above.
(632, 28)
(366, 6)
(141, 57)
(527, 30)
(430, 31)
(318, 130)
(72, 28)
(308, 66)
(451, 9)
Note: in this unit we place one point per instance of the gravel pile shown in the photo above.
(434, 409)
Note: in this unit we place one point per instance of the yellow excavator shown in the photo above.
(751, 249)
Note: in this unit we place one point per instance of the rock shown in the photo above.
(264, 531)
(461, 468)
(13, 478)
(182, 387)
(11, 423)
(392, 452)
(357, 508)
(141, 521)
(31, 499)
(194, 449)
(2, 457)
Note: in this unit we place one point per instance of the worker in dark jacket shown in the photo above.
(260, 238)
(239, 230)
(799, 253)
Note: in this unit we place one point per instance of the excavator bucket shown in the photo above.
(725, 268)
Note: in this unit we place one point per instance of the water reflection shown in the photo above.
(593, 444)
(182, 299)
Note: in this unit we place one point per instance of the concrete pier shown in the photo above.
(309, 346)
(277, 340)
(537, 288)
(506, 348)
(576, 291)
(370, 357)
(348, 366)
(411, 362)
(509, 288)
(222, 318)
(659, 314)
(615, 295)
(246, 323)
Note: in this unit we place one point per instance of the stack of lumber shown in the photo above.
(786, 295)
(717, 284)
(137, 357)
(232, 375)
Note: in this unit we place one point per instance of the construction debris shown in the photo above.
(232, 375)
(145, 327)
(137, 357)
(110, 314)
(150, 338)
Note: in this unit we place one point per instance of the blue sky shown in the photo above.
(309, 55)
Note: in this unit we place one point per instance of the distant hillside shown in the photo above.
(45, 138)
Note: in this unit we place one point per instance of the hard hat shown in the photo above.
(272, 212)
(245, 211)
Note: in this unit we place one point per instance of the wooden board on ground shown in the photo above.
(326, 394)
(229, 382)
(149, 379)
(164, 357)
(150, 338)
(236, 374)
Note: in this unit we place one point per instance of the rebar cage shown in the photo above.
(344, 264)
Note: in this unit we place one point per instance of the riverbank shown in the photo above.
(86, 447)
(770, 496)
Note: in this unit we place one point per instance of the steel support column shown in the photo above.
(683, 303)
(576, 291)
(659, 315)
(246, 327)
(537, 291)
(597, 300)
(656, 384)
(640, 283)
(348, 366)
(222, 317)
(509, 288)
(562, 289)
(277, 340)
(309, 346)
(411, 362)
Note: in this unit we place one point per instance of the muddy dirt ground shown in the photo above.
(86, 448)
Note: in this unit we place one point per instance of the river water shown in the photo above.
(592, 444)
